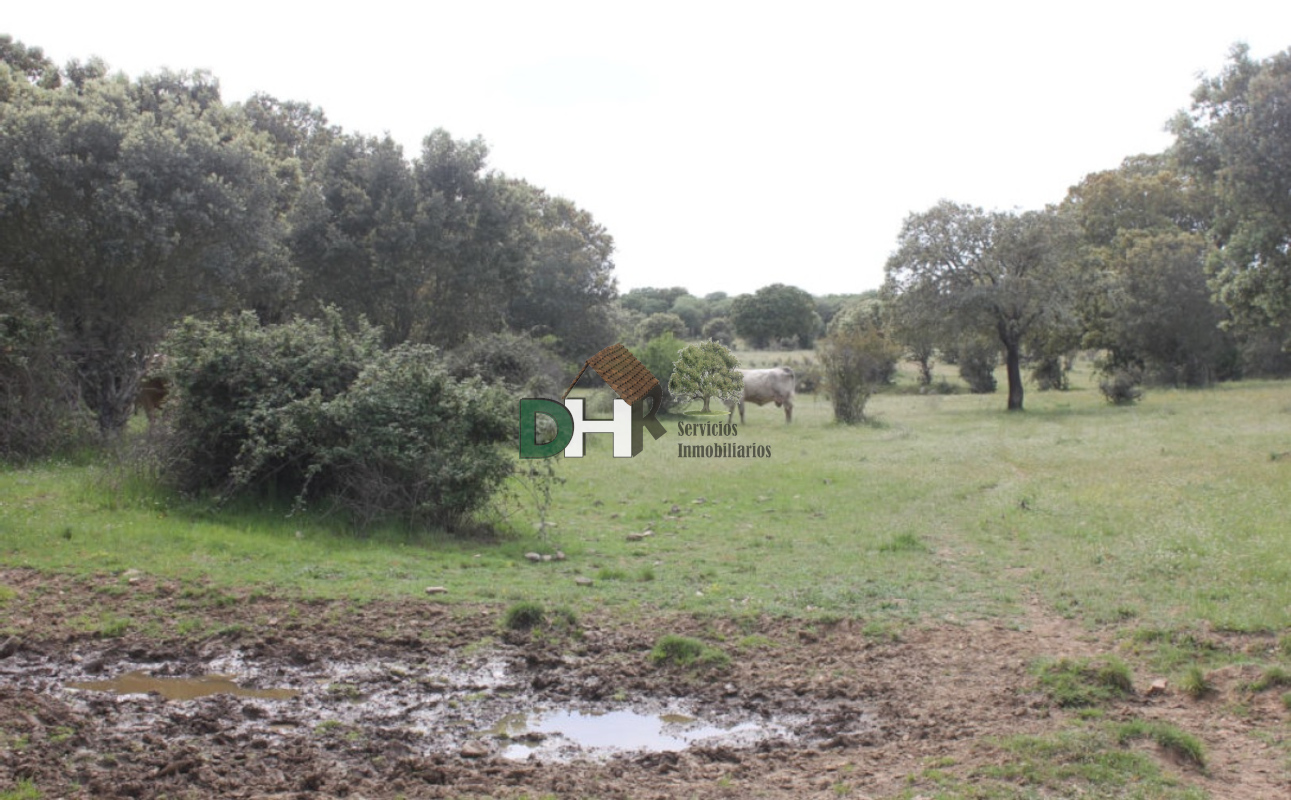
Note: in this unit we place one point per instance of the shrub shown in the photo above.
(312, 409)
(1122, 386)
(1050, 373)
(659, 355)
(39, 408)
(656, 325)
(856, 363)
(977, 361)
(408, 441)
(719, 329)
(519, 363)
(810, 377)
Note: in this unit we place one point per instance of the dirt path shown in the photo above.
(420, 699)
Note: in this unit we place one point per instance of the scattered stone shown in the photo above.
(699, 501)
(560, 555)
(598, 503)
(533, 556)
(9, 647)
(676, 509)
(546, 557)
(1158, 687)
(828, 481)
(436, 590)
(582, 581)
(474, 749)
(615, 515)
(635, 537)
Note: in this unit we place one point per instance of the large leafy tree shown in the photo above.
(999, 273)
(1147, 302)
(1237, 141)
(704, 371)
(776, 312)
(124, 205)
(354, 234)
(568, 285)
(473, 240)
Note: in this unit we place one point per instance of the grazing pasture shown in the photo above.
(1173, 511)
(932, 603)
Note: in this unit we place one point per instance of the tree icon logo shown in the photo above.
(704, 371)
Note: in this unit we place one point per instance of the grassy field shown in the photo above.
(1158, 526)
(1170, 513)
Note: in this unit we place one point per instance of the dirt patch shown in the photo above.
(421, 699)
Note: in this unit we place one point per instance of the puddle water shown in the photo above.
(612, 730)
(180, 688)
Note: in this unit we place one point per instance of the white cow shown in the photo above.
(762, 386)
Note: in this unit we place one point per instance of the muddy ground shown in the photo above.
(424, 699)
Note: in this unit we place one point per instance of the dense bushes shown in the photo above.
(978, 358)
(520, 363)
(315, 411)
(857, 361)
(659, 355)
(40, 411)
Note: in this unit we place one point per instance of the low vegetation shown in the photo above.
(684, 651)
(1073, 683)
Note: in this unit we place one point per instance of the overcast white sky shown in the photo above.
(725, 145)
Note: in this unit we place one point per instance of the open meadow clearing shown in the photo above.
(951, 601)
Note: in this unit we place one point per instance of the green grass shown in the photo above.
(1273, 677)
(1073, 683)
(1169, 737)
(524, 616)
(1093, 761)
(685, 651)
(24, 790)
(1194, 683)
(1168, 514)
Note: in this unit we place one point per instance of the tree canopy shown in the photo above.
(775, 312)
(985, 272)
(1237, 141)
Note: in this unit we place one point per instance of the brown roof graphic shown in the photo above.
(620, 369)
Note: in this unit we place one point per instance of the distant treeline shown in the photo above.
(127, 205)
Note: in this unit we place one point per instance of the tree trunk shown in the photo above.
(705, 409)
(1013, 358)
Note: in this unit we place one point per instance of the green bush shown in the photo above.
(521, 364)
(978, 358)
(659, 355)
(656, 325)
(856, 362)
(40, 412)
(1122, 386)
(312, 410)
(720, 329)
(1050, 373)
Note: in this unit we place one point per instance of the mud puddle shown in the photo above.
(477, 707)
(140, 682)
(560, 733)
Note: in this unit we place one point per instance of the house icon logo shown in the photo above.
(635, 387)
